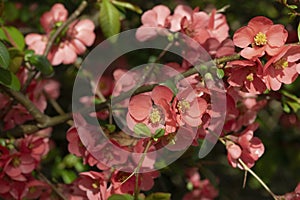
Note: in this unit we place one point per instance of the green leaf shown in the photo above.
(109, 19)
(10, 80)
(159, 196)
(220, 73)
(16, 59)
(13, 36)
(128, 6)
(4, 56)
(68, 176)
(142, 130)
(292, 6)
(110, 127)
(41, 63)
(120, 197)
(294, 105)
(286, 108)
(298, 32)
(159, 133)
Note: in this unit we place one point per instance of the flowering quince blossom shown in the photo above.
(247, 75)
(94, 184)
(189, 108)
(201, 189)
(244, 114)
(78, 35)
(154, 18)
(262, 36)
(153, 110)
(146, 181)
(282, 68)
(245, 147)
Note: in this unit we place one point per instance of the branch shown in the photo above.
(31, 108)
(53, 121)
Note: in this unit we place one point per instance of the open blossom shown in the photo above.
(152, 20)
(153, 110)
(242, 109)
(189, 108)
(202, 26)
(146, 181)
(74, 41)
(94, 184)
(57, 14)
(247, 75)
(245, 147)
(282, 68)
(260, 36)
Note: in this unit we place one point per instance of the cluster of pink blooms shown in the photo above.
(38, 91)
(18, 160)
(73, 42)
(267, 63)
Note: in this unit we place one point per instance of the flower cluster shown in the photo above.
(71, 43)
(38, 91)
(18, 160)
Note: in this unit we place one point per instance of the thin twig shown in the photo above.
(246, 168)
(31, 108)
(44, 178)
(136, 171)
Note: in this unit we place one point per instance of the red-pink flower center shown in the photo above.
(183, 106)
(260, 39)
(281, 64)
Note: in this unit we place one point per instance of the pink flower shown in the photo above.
(36, 146)
(247, 75)
(72, 43)
(152, 21)
(180, 12)
(153, 110)
(189, 108)
(57, 14)
(202, 26)
(217, 49)
(94, 185)
(242, 109)
(245, 147)
(146, 181)
(262, 36)
(18, 165)
(282, 68)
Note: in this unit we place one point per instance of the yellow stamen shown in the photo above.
(155, 116)
(281, 64)
(183, 106)
(260, 39)
(250, 77)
